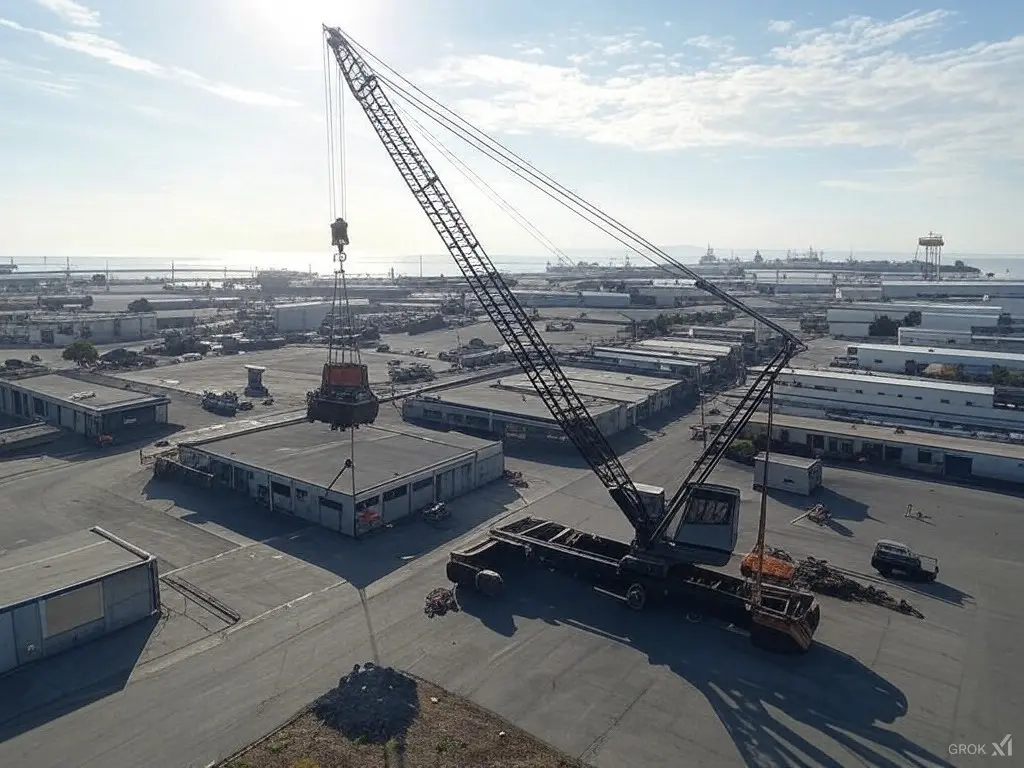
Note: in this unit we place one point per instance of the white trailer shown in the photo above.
(788, 473)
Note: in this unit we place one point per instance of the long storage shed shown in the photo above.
(70, 590)
(296, 469)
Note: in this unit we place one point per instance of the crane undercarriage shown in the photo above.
(783, 620)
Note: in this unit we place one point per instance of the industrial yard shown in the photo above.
(296, 607)
(280, 568)
(285, 518)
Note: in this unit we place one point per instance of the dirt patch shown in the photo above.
(380, 718)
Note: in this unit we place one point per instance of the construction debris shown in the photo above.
(440, 601)
(818, 576)
(516, 479)
(371, 704)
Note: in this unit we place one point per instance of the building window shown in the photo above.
(331, 504)
(878, 362)
(968, 403)
(944, 402)
(924, 457)
(859, 391)
(426, 482)
(882, 394)
(395, 493)
(301, 494)
(280, 488)
(365, 504)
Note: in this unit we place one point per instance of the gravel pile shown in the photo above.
(370, 703)
(818, 576)
(440, 601)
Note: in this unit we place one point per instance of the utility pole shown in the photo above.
(700, 397)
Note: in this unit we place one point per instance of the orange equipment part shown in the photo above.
(345, 375)
(774, 568)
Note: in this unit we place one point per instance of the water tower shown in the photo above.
(932, 244)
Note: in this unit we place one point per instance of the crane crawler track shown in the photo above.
(784, 621)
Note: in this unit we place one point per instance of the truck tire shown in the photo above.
(636, 597)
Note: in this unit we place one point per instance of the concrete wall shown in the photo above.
(305, 316)
(87, 611)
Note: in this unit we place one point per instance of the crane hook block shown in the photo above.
(339, 233)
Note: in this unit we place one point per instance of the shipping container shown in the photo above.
(793, 474)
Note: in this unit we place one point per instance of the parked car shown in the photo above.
(894, 558)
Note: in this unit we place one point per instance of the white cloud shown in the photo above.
(75, 14)
(111, 52)
(37, 78)
(859, 82)
(780, 26)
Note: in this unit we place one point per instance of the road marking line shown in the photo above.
(290, 536)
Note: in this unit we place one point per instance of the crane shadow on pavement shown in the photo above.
(822, 708)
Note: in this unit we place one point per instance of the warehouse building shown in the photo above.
(595, 299)
(59, 330)
(653, 362)
(301, 316)
(930, 337)
(943, 404)
(947, 289)
(889, 358)
(855, 320)
(728, 357)
(80, 407)
(68, 591)
(294, 470)
(951, 456)
(510, 408)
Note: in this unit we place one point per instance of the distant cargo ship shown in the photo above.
(811, 260)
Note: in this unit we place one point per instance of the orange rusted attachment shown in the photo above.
(345, 375)
(774, 568)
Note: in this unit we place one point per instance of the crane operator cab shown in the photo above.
(344, 398)
(706, 530)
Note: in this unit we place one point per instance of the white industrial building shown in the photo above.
(905, 400)
(853, 321)
(67, 591)
(59, 330)
(672, 294)
(890, 358)
(596, 299)
(951, 289)
(301, 316)
(942, 321)
(509, 408)
(293, 469)
(654, 362)
(930, 337)
(957, 457)
(81, 407)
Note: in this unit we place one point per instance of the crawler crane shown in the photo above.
(675, 539)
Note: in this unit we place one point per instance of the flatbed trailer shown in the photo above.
(784, 620)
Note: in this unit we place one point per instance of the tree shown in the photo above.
(140, 305)
(99, 279)
(81, 352)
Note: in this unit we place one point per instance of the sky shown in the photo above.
(199, 126)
